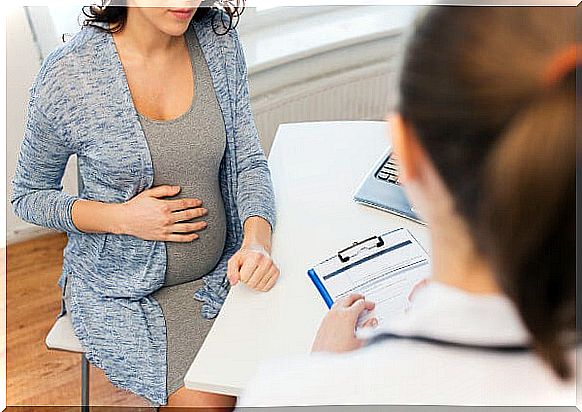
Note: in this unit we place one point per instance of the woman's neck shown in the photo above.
(146, 40)
(455, 261)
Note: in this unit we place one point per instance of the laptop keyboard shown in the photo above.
(389, 171)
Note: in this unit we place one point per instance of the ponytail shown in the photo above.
(527, 218)
(490, 93)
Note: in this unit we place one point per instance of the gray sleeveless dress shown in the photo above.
(187, 152)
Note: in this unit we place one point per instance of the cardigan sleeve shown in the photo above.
(37, 191)
(255, 196)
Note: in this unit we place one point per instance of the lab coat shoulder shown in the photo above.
(278, 380)
(319, 378)
(413, 372)
(400, 373)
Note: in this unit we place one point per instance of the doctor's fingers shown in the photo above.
(360, 305)
(370, 323)
(347, 301)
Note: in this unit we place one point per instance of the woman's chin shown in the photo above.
(175, 28)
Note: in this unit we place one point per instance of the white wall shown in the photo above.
(22, 64)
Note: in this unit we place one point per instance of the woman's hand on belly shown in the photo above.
(150, 216)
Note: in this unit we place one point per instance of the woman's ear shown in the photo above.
(407, 150)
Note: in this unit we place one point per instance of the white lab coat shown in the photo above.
(403, 372)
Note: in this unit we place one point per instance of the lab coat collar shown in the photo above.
(450, 314)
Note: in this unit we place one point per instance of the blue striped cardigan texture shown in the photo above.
(81, 104)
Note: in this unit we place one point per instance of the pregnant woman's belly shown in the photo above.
(187, 152)
(190, 261)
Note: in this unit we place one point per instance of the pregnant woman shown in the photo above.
(154, 103)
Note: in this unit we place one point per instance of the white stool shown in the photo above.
(62, 337)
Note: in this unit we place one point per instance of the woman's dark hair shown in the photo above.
(112, 18)
(503, 140)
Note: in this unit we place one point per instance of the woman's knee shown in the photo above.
(185, 398)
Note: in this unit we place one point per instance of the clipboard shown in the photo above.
(383, 268)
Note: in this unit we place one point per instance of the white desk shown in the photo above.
(316, 168)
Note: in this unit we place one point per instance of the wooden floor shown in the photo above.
(35, 375)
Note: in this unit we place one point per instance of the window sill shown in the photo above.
(284, 42)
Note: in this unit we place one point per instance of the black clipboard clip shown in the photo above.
(379, 242)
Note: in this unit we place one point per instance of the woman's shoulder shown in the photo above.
(64, 63)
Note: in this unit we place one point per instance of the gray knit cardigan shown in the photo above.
(80, 104)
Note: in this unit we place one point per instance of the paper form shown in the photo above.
(385, 275)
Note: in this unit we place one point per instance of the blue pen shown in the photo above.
(322, 290)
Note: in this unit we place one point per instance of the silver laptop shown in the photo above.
(381, 189)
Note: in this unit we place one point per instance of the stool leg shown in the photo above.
(84, 384)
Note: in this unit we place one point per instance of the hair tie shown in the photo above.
(563, 63)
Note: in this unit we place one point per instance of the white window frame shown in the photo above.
(48, 34)
(254, 19)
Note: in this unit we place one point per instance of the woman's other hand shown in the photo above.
(253, 266)
(337, 332)
(151, 217)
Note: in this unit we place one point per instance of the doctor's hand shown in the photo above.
(253, 266)
(337, 332)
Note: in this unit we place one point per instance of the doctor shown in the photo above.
(485, 135)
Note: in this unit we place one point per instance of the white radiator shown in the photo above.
(362, 94)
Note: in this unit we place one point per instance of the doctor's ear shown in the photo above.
(408, 150)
